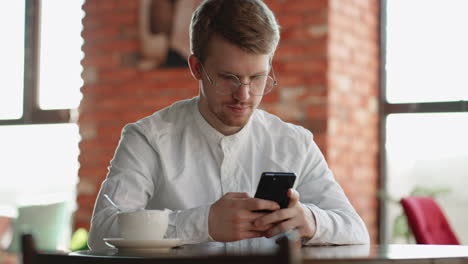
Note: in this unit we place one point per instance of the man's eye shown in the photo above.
(229, 78)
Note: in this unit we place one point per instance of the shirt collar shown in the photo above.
(211, 133)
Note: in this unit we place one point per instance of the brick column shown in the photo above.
(353, 85)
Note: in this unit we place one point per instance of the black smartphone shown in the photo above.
(274, 186)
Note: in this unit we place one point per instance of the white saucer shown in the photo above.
(130, 244)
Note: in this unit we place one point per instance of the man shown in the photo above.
(202, 158)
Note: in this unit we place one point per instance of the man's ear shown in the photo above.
(195, 67)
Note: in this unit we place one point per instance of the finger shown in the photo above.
(251, 234)
(282, 227)
(249, 226)
(293, 197)
(275, 217)
(255, 204)
(252, 216)
(244, 217)
(237, 195)
(262, 228)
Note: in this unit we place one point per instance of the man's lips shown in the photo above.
(238, 108)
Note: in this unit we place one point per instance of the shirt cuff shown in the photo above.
(191, 225)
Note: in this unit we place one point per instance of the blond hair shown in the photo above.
(248, 24)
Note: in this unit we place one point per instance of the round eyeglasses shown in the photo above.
(227, 84)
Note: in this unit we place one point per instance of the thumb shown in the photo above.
(293, 197)
(238, 195)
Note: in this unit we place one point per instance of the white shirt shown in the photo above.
(174, 159)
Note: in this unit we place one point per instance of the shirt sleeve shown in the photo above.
(191, 225)
(131, 181)
(336, 220)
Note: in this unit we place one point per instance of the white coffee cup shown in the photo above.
(143, 224)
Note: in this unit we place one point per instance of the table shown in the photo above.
(379, 254)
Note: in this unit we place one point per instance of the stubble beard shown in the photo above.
(233, 120)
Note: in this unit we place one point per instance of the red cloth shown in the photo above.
(427, 221)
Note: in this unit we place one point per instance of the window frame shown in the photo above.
(32, 113)
(386, 108)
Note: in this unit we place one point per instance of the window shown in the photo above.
(425, 105)
(41, 91)
(11, 94)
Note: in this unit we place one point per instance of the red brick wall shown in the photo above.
(326, 65)
(352, 135)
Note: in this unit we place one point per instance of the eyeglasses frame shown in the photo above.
(213, 82)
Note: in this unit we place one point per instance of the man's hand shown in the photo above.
(231, 217)
(296, 216)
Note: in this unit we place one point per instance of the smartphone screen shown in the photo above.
(274, 186)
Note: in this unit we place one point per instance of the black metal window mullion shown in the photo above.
(427, 107)
(32, 114)
(31, 59)
(382, 214)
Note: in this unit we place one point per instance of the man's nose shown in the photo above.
(242, 93)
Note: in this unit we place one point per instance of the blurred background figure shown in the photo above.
(163, 29)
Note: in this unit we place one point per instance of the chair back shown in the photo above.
(288, 253)
(427, 221)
